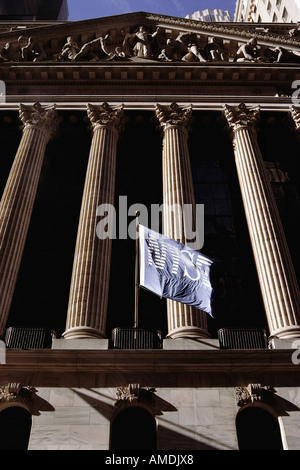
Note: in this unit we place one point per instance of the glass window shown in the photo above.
(285, 14)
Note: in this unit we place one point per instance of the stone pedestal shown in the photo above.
(184, 321)
(275, 269)
(39, 123)
(88, 299)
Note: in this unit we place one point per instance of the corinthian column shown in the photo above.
(296, 117)
(39, 123)
(184, 321)
(276, 274)
(90, 279)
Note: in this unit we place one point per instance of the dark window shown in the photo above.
(15, 426)
(133, 428)
(257, 429)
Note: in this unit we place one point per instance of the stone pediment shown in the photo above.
(146, 38)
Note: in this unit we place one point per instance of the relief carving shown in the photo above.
(295, 113)
(160, 44)
(134, 393)
(41, 117)
(253, 393)
(15, 392)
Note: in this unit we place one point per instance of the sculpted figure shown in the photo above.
(294, 32)
(94, 50)
(214, 51)
(69, 50)
(6, 53)
(33, 51)
(188, 46)
(247, 52)
(193, 54)
(285, 56)
(138, 44)
(142, 47)
(168, 52)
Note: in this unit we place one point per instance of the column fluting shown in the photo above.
(87, 310)
(39, 124)
(278, 283)
(184, 321)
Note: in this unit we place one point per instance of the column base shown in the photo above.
(190, 344)
(83, 332)
(188, 332)
(288, 332)
(80, 344)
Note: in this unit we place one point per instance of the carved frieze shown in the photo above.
(204, 43)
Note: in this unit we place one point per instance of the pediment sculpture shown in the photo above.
(150, 43)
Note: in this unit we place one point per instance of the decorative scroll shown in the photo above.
(174, 116)
(105, 116)
(296, 116)
(253, 393)
(134, 393)
(16, 393)
(43, 118)
(242, 116)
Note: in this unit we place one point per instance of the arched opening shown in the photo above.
(15, 427)
(257, 429)
(133, 428)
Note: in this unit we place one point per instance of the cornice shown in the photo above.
(67, 78)
(243, 32)
(154, 361)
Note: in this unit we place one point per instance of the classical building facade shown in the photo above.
(267, 11)
(214, 15)
(143, 110)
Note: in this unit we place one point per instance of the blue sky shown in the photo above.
(87, 9)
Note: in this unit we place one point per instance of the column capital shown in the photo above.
(107, 117)
(41, 117)
(174, 116)
(242, 116)
(295, 113)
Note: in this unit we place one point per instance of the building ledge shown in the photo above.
(150, 361)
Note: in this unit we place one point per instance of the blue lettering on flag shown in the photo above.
(174, 271)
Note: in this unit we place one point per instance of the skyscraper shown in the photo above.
(211, 15)
(34, 10)
(267, 11)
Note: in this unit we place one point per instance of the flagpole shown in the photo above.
(136, 306)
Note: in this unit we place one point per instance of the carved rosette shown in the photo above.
(241, 117)
(104, 116)
(295, 113)
(42, 118)
(174, 116)
(16, 393)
